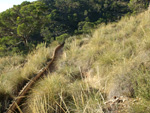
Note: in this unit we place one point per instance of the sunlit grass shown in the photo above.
(13, 75)
(110, 57)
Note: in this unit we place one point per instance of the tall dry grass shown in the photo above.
(114, 61)
(17, 70)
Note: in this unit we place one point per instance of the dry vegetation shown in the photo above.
(114, 61)
(17, 70)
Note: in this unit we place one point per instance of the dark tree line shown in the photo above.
(24, 26)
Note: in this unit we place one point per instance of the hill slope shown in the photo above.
(113, 62)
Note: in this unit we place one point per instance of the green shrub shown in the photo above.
(138, 5)
(85, 27)
(62, 38)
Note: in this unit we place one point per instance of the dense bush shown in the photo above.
(138, 5)
(62, 38)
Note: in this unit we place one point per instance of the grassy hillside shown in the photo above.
(113, 61)
(17, 70)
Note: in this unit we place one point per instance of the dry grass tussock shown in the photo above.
(16, 70)
(56, 94)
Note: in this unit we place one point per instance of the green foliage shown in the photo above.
(62, 38)
(85, 27)
(7, 43)
(48, 37)
(138, 5)
(44, 20)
